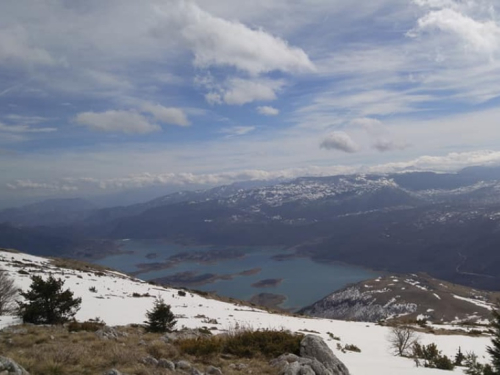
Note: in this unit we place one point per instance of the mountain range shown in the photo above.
(445, 224)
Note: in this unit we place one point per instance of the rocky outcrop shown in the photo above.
(316, 358)
(9, 367)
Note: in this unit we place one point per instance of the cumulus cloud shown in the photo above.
(339, 141)
(268, 111)
(219, 42)
(237, 130)
(173, 116)
(129, 122)
(238, 91)
(451, 17)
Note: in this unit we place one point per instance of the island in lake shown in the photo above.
(267, 283)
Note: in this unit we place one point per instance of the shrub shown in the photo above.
(431, 356)
(160, 318)
(47, 303)
(8, 292)
(91, 325)
(181, 293)
(244, 344)
(402, 339)
(270, 344)
(352, 348)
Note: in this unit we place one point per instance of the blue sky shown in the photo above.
(98, 97)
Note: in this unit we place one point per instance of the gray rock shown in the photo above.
(9, 367)
(313, 347)
(165, 363)
(195, 371)
(107, 333)
(150, 361)
(212, 370)
(113, 372)
(184, 334)
(284, 359)
(183, 365)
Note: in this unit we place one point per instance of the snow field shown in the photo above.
(114, 304)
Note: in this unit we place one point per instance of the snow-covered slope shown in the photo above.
(410, 296)
(114, 303)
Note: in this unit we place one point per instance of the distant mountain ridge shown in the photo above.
(445, 224)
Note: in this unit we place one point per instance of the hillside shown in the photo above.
(408, 297)
(114, 302)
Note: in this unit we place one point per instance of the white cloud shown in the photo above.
(28, 120)
(117, 121)
(339, 141)
(237, 130)
(15, 48)
(481, 36)
(238, 91)
(219, 42)
(30, 185)
(446, 163)
(268, 111)
(24, 129)
(173, 116)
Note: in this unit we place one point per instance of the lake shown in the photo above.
(301, 280)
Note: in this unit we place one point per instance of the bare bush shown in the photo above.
(402, 339)
(8, 292)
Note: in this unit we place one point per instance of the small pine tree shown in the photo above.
(160, 318)
(47, 303)
(494, 349)
(459, 357)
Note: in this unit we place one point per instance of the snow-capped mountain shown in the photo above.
(119, 300)
(447, 225)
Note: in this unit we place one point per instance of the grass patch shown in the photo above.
(244, 344)
(54, 350)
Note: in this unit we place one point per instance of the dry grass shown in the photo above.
(77, 265)
(51, 350)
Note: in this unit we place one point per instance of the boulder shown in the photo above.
(316, 359)
(107, 333)
(150, 361)
(212, 370)
(314, 347)
(9, 367)
(183, 365)
(165, 363)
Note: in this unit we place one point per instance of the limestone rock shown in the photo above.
(183, 365)
(9, 367)
(150, 361)
(314, 347)
(165, 363)
(211, 370)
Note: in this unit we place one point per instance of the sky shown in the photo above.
(98, 97)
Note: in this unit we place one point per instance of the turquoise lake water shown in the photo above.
(304, 281)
